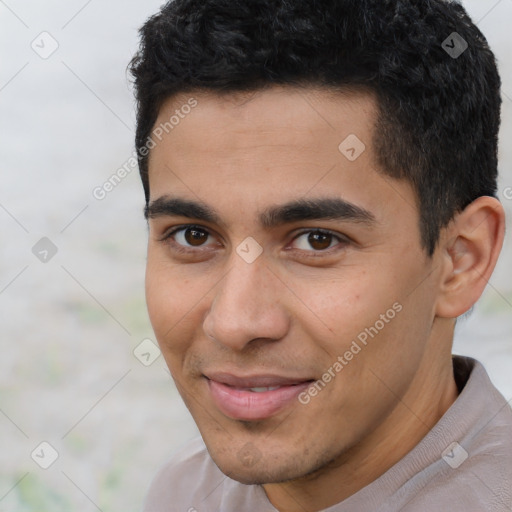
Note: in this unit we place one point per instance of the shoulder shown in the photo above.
(481, 482)
(475, 470)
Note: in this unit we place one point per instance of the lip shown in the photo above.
(232, 397)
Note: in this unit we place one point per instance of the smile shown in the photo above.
(253, 398)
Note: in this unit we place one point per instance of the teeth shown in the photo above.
(261, 390)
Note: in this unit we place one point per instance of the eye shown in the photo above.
(188, 236)
(317, 240)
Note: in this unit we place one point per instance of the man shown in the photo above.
(320, 181)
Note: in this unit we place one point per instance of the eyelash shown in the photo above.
(168, 238)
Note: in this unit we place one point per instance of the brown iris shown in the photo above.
(195, 236)
(319, 240)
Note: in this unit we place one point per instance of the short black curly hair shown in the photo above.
(439, 112)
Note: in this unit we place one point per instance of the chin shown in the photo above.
(262, 469)
(256, 476)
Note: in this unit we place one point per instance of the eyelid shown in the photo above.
(169, 234)
(175, 229)
(340, 237)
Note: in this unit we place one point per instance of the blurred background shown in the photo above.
(88, 411)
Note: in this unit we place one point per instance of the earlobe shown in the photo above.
(472, 244)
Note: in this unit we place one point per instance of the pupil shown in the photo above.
(319, 241)
(195, 236)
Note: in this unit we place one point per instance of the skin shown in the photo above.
(297, 307)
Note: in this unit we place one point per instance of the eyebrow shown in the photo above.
(294, 211)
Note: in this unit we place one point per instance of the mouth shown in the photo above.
(254, 398)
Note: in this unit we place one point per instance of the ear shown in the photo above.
(469, 249)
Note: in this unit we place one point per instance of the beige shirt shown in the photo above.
(463, 464)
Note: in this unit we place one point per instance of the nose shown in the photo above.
(248, 305)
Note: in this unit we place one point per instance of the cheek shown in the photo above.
(370, 314)
(340, 309)
(173, 303)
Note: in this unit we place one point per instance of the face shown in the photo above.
(286, 283)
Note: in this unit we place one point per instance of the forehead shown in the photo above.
(279, 115)
(270, 146)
